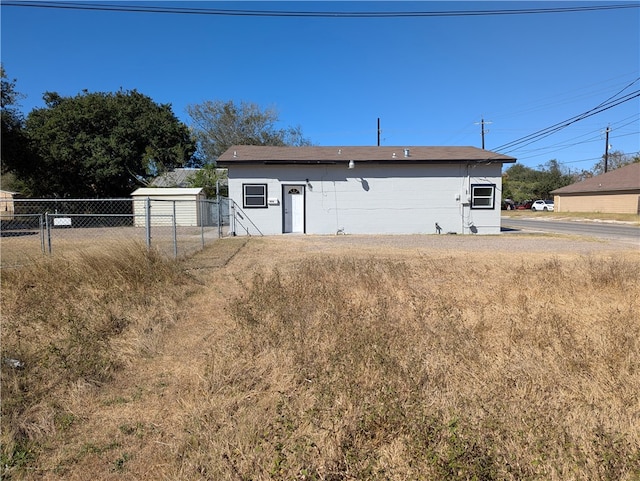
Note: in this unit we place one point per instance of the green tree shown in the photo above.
(524, 183)
(615, 160)
(552, 176)
(517, 183)
(217, 125)
(101, 144)
(14, 143)
(212, 180)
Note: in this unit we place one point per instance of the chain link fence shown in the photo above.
(33, 227)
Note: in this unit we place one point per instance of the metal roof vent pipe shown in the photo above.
(406, 152)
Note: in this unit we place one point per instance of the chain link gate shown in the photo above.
(46, 226)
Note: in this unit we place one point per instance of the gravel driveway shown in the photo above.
(514, 242)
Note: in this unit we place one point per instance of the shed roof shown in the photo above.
(622, 179)
(159, 191)
(241, 154)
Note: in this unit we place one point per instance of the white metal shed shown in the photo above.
(165, 204)
(6, 205)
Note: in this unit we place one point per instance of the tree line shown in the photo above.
(521, 183)
(101, 144)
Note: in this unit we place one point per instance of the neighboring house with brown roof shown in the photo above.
(364, 190)
(617, 191)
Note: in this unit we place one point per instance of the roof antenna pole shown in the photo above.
(378, 131)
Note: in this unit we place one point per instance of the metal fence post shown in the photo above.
(219, 218)
(48, 228)
(203, 214)
(219, 207)
(175, 232)
(147, 223)
(41, 220)
(232, 217)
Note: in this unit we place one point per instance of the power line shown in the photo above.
(557, 147)
(596, 159)
(565, 145)
(540, 134)
(325, 14)
(562, 98)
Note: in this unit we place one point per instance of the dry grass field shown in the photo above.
(512, 357)
(633, 219)
(20, 247)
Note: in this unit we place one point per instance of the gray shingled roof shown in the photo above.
(175, 178)
(239, 154)
(622, 179)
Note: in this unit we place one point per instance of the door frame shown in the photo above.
(303, 191)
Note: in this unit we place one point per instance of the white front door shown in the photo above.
(293, 208)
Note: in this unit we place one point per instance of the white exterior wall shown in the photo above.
(6, 205)
(373, 199)
(187, 208)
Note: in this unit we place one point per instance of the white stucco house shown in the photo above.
(365, 190)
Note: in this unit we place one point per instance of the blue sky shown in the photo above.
(429, 80)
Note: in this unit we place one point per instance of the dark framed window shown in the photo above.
(254, 196)
(483, 196)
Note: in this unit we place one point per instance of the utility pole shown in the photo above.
(606, 149)
(482, 131)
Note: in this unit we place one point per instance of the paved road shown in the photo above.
(603, 230)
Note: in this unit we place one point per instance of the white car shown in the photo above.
(542, 205)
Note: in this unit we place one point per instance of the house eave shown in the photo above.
(229, 163)
(261, 155)
(596, 192)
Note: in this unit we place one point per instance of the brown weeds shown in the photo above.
(326, 367)
(367, 369)
(70, 320)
